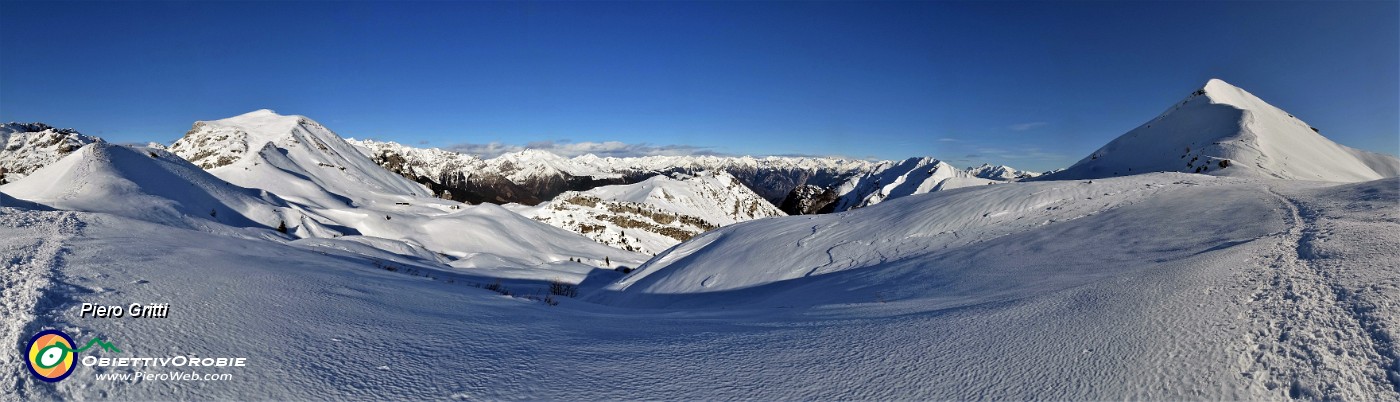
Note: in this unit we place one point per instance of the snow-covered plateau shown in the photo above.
(1133, 274)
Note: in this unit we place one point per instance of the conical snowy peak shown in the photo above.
(1221, 129)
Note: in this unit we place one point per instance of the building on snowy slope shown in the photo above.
(655, 214)
(30, 146)
(1224, 130)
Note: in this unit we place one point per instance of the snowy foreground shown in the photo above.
(1156, 286)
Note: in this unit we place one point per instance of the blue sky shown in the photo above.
(1032, 85)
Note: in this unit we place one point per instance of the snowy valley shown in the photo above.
(1222, 250)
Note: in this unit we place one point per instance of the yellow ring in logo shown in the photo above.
(50, 355)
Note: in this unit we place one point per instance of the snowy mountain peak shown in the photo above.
(279, 153)
(1221, 129)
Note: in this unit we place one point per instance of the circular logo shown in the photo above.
(50, 355)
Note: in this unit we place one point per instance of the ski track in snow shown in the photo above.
(1312, 336)
(30, 261)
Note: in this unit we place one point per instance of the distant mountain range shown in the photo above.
(798, 185)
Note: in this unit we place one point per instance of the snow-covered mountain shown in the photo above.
(1223, 130)
(654, 214)
(292, 156)
(30, 146)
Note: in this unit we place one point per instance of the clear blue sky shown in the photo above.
(1033, 85)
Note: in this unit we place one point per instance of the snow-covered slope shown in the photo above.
(152, 185)
(30, 146)
(765, 260)
(1239, 273)
(1224, 130)
(657, 213)
(1287, 298)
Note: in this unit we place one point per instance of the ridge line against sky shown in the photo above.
(1033, 85)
